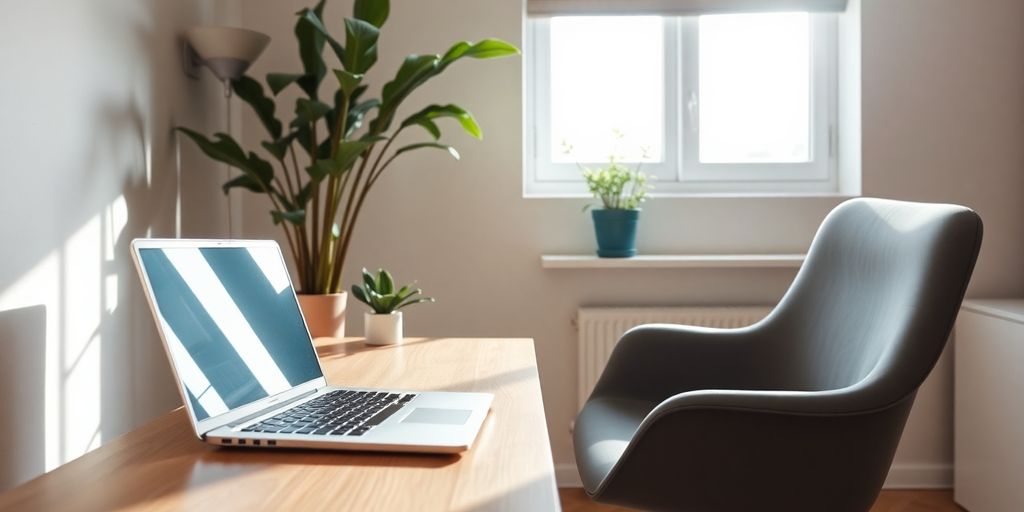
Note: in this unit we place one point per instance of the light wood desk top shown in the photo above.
(162, 466)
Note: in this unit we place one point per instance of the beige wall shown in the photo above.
(942, 119)
(89, 93)
(89, 162)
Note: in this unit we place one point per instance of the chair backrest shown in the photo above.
(876, 298)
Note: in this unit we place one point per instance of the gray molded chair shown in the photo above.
(803, 410)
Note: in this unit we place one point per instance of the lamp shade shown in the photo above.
(227, 51)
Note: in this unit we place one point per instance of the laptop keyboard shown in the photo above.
(337, 413)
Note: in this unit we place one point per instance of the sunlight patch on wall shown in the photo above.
(81, 352)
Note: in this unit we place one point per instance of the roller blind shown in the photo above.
(675, 7)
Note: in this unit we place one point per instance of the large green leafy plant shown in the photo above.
(318, 170)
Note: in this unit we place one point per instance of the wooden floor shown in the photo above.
(574, 500)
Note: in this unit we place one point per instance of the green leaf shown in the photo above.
(430, 126)
(360, 51)
(314, 22)
(279, 81)
(224, 149)
(251, 92)
(346, 156)
(410, 147)
(414, 301)
(320, 170)
(485, 49)
(348, 153)
(392, 302)
(297, 217)
(359, 294)
(426, 116)
(414, 71)
(368, 280)
(348, 81)
(491, 48)
(310, 35)
(356, 114)
(405, 292)
(279, 147)
(304, 195)
(261, 168)
(244, 181)
(387, 283)
(374, 12)
(310, 111)
(456, 51)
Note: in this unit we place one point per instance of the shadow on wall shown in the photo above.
(80, 362)
(23, 344)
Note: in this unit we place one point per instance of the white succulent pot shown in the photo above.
(383, 329)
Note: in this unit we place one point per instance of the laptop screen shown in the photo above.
(231, 323)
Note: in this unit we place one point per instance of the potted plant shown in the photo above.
(384, 325)
(317, 171)
(621, 190)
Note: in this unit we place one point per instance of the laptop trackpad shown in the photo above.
(437, 416)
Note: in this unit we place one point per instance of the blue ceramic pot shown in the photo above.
(616, 232)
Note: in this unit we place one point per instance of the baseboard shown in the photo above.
(566, 475)
(901, 476)
(919, 476)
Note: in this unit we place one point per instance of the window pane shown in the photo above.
(754, 88)
(607, 88)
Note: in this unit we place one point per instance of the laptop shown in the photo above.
(247, 369)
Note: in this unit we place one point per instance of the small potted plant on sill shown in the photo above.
(621, 190)
(384, 325)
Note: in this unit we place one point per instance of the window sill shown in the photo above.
(663, 261)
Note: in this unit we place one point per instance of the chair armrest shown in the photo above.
(656, 361)
(857, 399)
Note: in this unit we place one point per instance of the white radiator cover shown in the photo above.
(600, 329)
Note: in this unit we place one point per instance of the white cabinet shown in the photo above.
(989, 406)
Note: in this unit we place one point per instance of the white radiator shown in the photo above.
(600, 329)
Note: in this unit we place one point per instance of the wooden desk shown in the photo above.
(162, 466)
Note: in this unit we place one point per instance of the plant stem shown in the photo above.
(345, 232)
(302, 263)
(315, 227)
(375, 173)
(297, 170)
(333, 199)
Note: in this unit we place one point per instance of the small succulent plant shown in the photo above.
(380, 294)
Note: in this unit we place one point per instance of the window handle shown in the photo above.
(692, 110)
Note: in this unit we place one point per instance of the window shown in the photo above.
(728, 104)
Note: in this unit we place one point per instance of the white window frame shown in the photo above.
(680, 173)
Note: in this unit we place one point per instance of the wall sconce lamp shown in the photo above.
(228, 52)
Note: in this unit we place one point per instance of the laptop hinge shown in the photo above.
(273, 407)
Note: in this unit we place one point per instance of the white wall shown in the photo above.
(89, 93)
(943, 114)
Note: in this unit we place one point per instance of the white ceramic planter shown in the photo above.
(383, 329)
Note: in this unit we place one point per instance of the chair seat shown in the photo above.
(603, 431)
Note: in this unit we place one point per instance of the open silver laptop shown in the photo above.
(247, 369)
